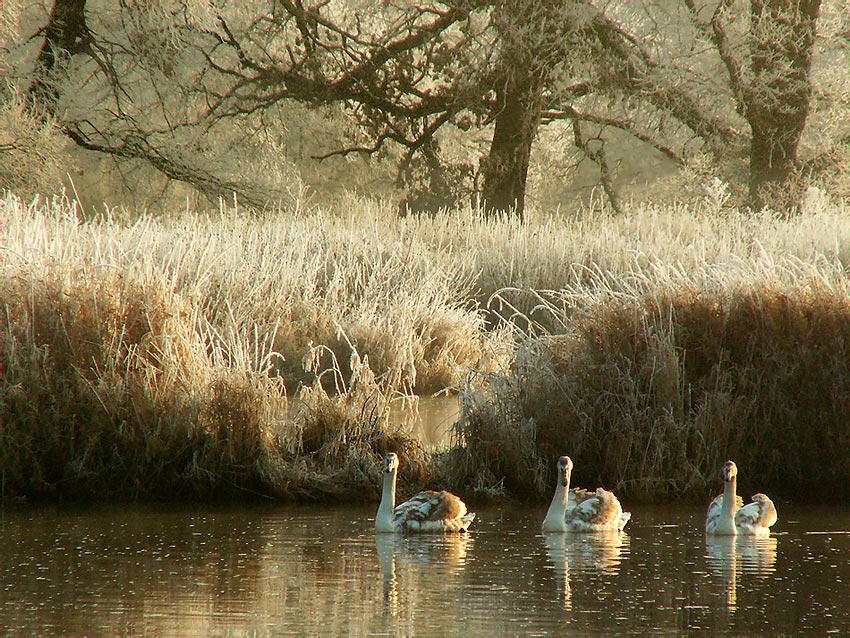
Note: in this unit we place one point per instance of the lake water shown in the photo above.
(321, 571)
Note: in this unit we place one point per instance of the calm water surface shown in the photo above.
(278, 571)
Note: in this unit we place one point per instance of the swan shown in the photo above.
(579, 510)
(425, 512)
(727, 514)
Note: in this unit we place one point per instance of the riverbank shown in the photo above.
(158, 357)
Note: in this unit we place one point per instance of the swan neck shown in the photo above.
(384, 518)
(555, 518)
(730, 492)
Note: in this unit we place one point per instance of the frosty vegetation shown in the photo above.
(159, 358)
(234, 235)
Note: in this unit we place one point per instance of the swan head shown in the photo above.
(390, 463)
(565, 468)
(729, 471)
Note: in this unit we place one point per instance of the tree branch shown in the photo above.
(573, 114)
(718, 36)
(598, 157)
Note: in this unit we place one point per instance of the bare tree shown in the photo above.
(771, 84)
(169, 77)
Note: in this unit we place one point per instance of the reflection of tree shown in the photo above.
(730, 556)
(589, 553)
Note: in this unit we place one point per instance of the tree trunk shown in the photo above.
(65, 31)
(778, 101)
(506, 168)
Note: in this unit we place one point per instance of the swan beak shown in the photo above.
(390, 462)
(565, 467)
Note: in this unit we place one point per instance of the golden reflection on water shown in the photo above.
(600, 552)
(322, 571)
(728, 557)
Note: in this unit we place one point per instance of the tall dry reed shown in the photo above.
(653, 385)
(144, 360)
(157, 357)
(283, 282)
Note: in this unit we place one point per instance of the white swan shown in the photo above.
(727, 514)
(579, 510)
(425, 512)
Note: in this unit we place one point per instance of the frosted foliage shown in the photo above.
(30, 150)
(200, 13)
(9, 16)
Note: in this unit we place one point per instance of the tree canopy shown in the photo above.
(197, 90)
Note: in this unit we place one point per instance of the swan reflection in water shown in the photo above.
(446, 553)
(596, 553)
(732, 556)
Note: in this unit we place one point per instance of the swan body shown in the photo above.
(728, 516)
(580, 510)
(718, 520)
(427, 511)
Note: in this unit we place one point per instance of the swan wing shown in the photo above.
(429, 510)
(713, 514)
(577, 496)
(714, 508)
(601, 511)
(756, 517)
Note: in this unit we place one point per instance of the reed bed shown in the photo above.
(659, 377)
(151, 359)
(512, 263)
(280, 283)
(240, 353)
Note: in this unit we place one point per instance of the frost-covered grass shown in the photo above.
(157, 357)
(680, 341)
(152, 358)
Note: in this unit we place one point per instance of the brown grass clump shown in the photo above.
(342, 433)
(109, 390)
(152, 360)
(106, 393)
(650, 394)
